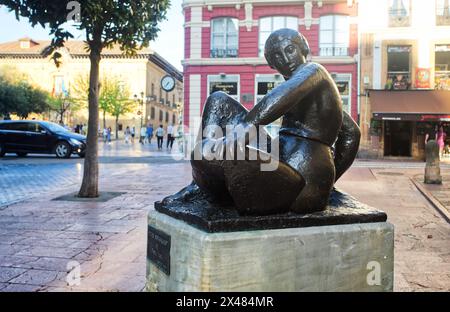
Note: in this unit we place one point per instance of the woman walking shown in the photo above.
(127, 135)
(440, 139)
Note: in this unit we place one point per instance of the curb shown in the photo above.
(433, 201)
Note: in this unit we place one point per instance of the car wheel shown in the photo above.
(2, 150)
(63, 150)
(22, 154)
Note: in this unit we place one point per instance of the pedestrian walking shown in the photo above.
(160, 136)
(440, 139)
(170, 137)
(149, 134)
(127, 135)
(133, 134)
(108, 135)
(105, 135)
(142, 135)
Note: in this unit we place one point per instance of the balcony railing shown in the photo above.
(334, 51)
(442, 80)
(399, 18)
(400, 80)
(443, 19)
(216, 53)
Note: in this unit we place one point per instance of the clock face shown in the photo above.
(168, 83)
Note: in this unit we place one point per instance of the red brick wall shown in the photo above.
(223, 12)
(272, 10)
(248, 42)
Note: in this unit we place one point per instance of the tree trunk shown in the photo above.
(89, 187)
(117, 127)
(61, 118)
(104, 119)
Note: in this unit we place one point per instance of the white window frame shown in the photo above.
(333, 41)
(345, 77)
(261, 44)
(226, 78)
(392, 10)
(225, 37)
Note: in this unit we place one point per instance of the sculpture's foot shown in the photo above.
(189, 194)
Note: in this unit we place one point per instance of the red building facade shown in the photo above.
(224, 47)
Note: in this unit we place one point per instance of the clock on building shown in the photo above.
(168, 83)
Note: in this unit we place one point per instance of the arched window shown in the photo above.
(334, 37)
(269, 24)
(224, 37)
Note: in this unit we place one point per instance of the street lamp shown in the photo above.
(140, 102)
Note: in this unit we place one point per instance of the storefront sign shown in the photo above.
(423, 78)
(410, 117)
(229, 88)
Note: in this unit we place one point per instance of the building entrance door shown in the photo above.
(397, 138)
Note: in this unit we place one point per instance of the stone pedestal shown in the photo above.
(432, 168)
(345, 257)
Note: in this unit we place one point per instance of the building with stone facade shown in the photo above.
(141, 74)
(405, 75)
(224, 42)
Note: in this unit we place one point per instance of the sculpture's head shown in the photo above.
(285, 50)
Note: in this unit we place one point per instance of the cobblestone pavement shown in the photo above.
(40, 237)
(22, 178)
(438, 193)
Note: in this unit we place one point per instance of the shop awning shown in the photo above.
(417, 105)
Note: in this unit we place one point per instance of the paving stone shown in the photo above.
(6, 274)
(39, 251)
(16, 261)
(36, 277)
(46, 263)
(21, 288)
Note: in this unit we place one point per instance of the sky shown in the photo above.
(169, 44)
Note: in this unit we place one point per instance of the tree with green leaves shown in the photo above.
(132, 24)
(117, 100)
(62, 104)
(21, 98)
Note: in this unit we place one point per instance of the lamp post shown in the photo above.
(140, 102)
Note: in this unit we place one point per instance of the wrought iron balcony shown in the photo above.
(443, 19)
(399, 18)
(217, 53)
(333, 51)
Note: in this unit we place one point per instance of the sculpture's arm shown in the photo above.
(281, 99)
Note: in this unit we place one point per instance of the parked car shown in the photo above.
(39, 137)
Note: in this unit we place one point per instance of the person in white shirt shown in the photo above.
(143, 135)
(160, 136)
(170, 137)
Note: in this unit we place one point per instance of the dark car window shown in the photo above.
(35, 127)
(17, 126)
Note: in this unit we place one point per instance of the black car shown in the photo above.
(39, 137)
